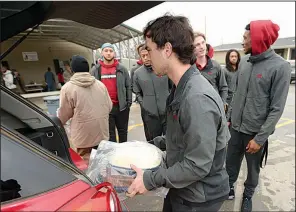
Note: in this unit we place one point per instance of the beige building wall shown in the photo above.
(220, 56)
(47, 51)
(286, 54)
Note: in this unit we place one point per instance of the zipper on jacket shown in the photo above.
(241, 118)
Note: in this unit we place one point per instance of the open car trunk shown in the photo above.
(17, 16)
(19, 114)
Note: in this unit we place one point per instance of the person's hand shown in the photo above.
(228, 123)
(252, 147)
(138, 184)
(225, 107)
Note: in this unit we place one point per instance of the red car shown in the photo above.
(38, 168)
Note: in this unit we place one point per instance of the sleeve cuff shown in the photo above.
(260, 140)
(148, 181)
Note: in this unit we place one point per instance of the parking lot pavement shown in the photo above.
(276, 189)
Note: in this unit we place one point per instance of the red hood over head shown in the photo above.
(263, 34)
(210, 51)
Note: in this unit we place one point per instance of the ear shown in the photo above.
(168, 48)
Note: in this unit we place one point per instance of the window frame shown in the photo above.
(29, 147)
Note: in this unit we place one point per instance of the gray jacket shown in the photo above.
(214, 74)
(132, 72)
(124, 90)
(229, 75)
(195, 142)
(261, 91)
(151, 91)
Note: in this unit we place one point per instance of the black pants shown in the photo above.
(118, 119)
(153, 126)
(175, 204)
(235, 152)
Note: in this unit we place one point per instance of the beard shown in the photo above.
(249, 51)
(109, 60)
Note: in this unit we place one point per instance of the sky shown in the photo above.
(224, 21)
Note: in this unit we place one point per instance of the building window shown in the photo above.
(280, 52)
(292, 54)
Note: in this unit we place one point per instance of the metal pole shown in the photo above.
(119, 50)
(129, 54)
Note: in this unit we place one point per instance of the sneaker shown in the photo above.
(246, 205)
(231, 193)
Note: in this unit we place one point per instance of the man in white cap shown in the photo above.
(117, 80)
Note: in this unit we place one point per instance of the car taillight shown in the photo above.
(112, 201)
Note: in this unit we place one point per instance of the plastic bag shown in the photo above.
(67, 125)
(111, 163)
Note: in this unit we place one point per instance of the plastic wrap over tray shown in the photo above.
(111, 162)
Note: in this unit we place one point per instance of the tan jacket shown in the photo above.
(87, 102)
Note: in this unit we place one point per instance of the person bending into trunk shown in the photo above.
(117, 80)
(152, 91)
(197, 132)
(261, 89)
(87, 102)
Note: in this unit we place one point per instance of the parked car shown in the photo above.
(39, 171)
(292, 62)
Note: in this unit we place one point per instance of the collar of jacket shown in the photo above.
(263, 56)
(209, 64)
(177, 92)
(148, 68)
(118, 67)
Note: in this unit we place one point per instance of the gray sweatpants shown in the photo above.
(176, 204)
(235, 152)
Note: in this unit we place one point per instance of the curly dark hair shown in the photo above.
(227, 60)
(175, 30)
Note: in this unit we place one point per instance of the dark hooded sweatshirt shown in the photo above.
(195, 143)
(132, 72)
(261, 85)
(151, 91)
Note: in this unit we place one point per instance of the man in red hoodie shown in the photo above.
(260, 93)
(117, 80)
